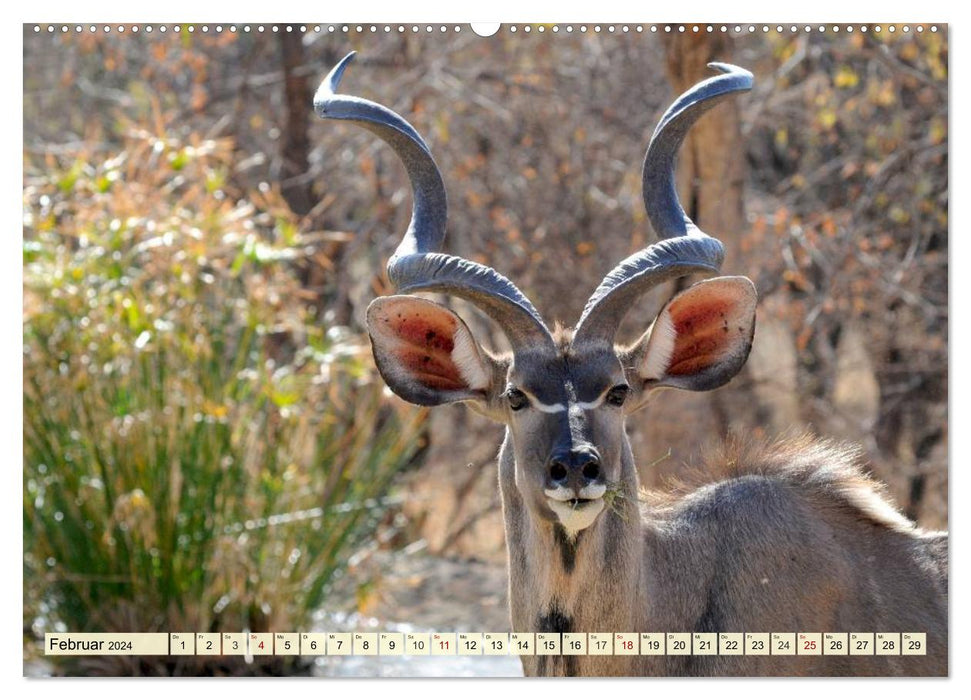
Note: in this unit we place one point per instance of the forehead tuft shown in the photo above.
(562, 338)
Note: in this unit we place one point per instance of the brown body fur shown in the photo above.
(789, 537)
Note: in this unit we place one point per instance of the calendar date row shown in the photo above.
(489, 643)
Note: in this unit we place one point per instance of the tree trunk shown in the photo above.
(296, 184)
(711, 166)
(710, 177)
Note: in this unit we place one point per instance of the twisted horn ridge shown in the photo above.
(659, 188)
(416, 265)
(683, 248)
(427, 228)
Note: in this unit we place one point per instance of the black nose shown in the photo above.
(574, 468)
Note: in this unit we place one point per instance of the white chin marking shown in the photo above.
(575, 519)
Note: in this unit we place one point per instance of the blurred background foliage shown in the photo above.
(200, 452)
(206, 441)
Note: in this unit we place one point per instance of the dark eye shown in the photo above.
(517, 399)
(617, 395)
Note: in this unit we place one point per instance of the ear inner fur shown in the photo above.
(702, 334)
(662, 342)
(424, 347)
(467, 359)
(700, 328)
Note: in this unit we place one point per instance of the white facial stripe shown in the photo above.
(559, 408)
(547, 408)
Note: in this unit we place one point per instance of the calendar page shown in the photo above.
(485, 350)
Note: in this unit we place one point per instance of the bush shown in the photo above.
(199, 455)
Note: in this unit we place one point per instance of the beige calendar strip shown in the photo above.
(488, 644)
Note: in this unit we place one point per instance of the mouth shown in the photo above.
(588, 494)
(575, 514)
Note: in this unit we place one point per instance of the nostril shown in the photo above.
(557, 471)
(591, 470)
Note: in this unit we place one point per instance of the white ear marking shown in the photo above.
(660, 347)
(465, 355)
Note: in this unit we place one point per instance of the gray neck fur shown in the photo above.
(592, 584)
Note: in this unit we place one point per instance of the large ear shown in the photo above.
(426, 353)
(700, 339)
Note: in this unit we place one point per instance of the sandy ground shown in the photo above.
(408, 591)
(411, 592)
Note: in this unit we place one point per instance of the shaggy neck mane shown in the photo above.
(827, 473)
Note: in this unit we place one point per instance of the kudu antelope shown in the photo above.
(789, 538)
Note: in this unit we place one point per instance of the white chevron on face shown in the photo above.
(559, 407)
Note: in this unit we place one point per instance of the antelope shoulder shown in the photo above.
(808, 541)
